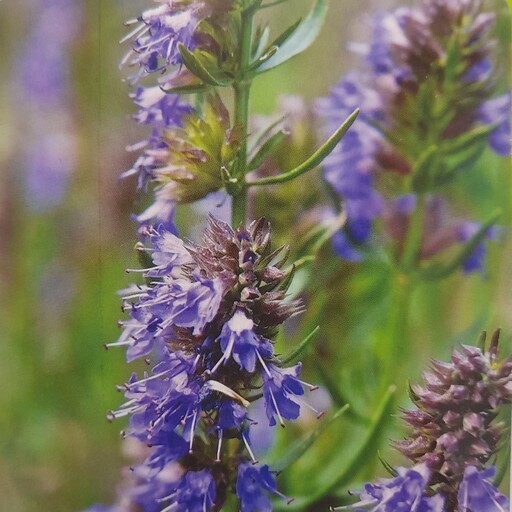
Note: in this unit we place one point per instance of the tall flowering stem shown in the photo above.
(206, 317)
(427, 95)
(242, 89)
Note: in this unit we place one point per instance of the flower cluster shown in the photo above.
(453, 437)
(409, 138)
(186, 148)
(207, 315)
(453, 426)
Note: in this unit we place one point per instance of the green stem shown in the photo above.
(242, 89)
(393, 347)
(414, 236)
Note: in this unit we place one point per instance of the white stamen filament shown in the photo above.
(251, 454)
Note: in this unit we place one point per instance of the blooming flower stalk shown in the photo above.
(207, 317)
(454, 424)
(428, 104)
(453, 437)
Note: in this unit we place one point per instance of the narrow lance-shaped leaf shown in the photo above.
(187, 89)
(469, 159)
(302, 37)
(314, 160)
(265, 149)
(274, 46)
(300, 447)
(440, 271)
(303, 345)
(195, 66)
(468, 139)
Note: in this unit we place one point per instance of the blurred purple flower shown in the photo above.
(406, 492)
(478, 494)
(43, 79)
(252, 486)
(394, 90)
(498, 111)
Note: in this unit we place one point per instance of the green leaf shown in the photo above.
(469, 139)
(275, 44)
(195, 66)
(302, 445)
(336, 394)
(359, 459)
(303, 345)
(421, 172)
(461, 165)
(265, 149)
(440, 271)
(188, 89)
(300, 38)
(314, 160)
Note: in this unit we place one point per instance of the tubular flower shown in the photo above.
(206, 316)
(453, 426)
(414, 54)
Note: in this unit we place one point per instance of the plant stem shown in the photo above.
(393, 347)
(414, 236)
(242, 88)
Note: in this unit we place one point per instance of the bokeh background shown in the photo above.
(66, 237)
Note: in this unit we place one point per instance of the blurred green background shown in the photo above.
(60, 268)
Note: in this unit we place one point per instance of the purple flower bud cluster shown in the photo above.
(43, 79)
(454, 435)
(453, 426)
(206, 316)
(415, 53)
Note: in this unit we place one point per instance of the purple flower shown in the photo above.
(196, 491)
(478, 494)
(252, 484)
(204, 316)
(396, 94)
(497, 111)
(238, 340)
(475, 262)
(280, 385)
(157, 108)
(157, 34)
(403, 493)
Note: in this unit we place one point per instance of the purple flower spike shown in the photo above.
(453, 426)
(478, 494)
